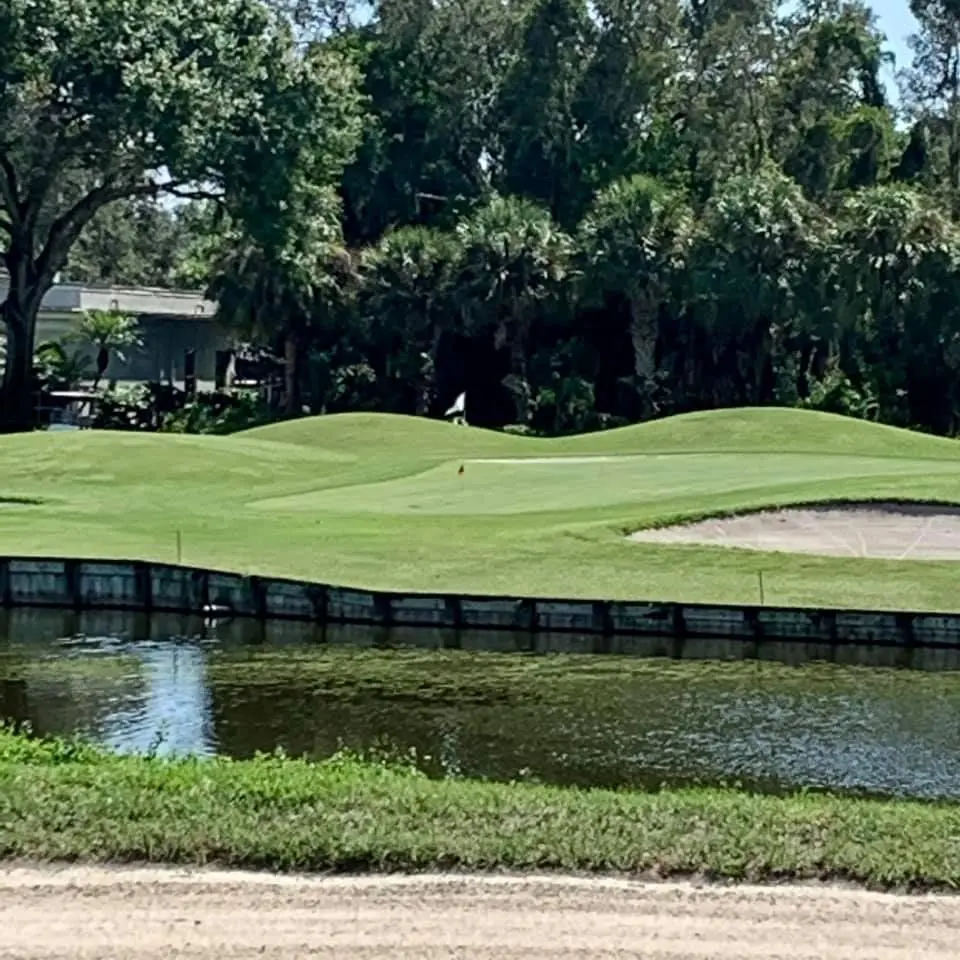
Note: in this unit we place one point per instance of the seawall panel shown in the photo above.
(38, 583)
(236, 593)
(718, 622)
(795, 624)
(489, 613)
(423, 611)
(869, 628)
(110, 585)
(296, 601)
(645, 619)
(356, 606)
(178, 589)
(934, 630)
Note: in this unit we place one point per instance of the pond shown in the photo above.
(180, 685)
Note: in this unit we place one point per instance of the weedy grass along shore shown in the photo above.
(64, 800)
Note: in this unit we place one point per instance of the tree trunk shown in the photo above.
(516, 380)
(103, 361)
(644, 330)
(291, 357)
(428, 384)
(28, 282)
(17, 413)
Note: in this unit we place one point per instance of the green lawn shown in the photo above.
(375, 500)
(65, 801)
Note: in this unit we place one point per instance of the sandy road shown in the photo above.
(125, 913)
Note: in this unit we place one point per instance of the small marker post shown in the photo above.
(179, 547)
(760, 582)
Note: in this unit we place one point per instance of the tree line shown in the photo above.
(580, 213)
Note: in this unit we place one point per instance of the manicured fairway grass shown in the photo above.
(377, 501)
(62, 801)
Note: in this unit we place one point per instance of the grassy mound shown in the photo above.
(67, 801)
(378, 501)
(741, 430)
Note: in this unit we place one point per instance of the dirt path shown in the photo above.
(126, 913)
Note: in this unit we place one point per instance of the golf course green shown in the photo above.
(379, 501)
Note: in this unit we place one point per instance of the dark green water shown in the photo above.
(178, 685)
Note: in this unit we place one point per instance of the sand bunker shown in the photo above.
(889, 530)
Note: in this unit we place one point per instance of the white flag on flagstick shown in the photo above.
(459, 407)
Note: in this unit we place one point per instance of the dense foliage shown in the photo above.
(587, 213)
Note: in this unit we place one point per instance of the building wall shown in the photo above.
(171, 322)
(162, 356)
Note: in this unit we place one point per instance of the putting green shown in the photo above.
(378, 501)
(510, 487)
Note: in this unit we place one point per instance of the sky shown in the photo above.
(895, 20)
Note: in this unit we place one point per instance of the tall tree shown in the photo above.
(898, 262)
(721, 91)
(407, 302)
(539, 128)
(931, 87)
(635, 242)
(431, 73)
(102, 100)
(135, 242)
(278, 292)
(831, 126)
(624, 93)
(514, 259)
(758, 247)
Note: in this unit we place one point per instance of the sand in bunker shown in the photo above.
(125, 913)
(888, 530)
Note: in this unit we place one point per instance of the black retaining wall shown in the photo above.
(156, 587)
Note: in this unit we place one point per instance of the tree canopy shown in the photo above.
(579, 213)
(103, 101)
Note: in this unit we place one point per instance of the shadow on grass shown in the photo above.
(20, 502)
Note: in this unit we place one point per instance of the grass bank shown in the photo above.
(378, 501)
(67, 801)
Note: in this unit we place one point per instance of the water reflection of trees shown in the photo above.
(14, 705)
(769, 729)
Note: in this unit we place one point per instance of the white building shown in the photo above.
(172, 322)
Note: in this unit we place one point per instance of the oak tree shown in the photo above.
(102, 100)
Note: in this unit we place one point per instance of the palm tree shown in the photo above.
(282, 294)
(60, 368)
(513, 258)
(756, 272)
(406, 298)
(106, 331)
(634, 242)
(898, 271)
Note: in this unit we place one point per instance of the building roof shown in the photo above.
(144, 301)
